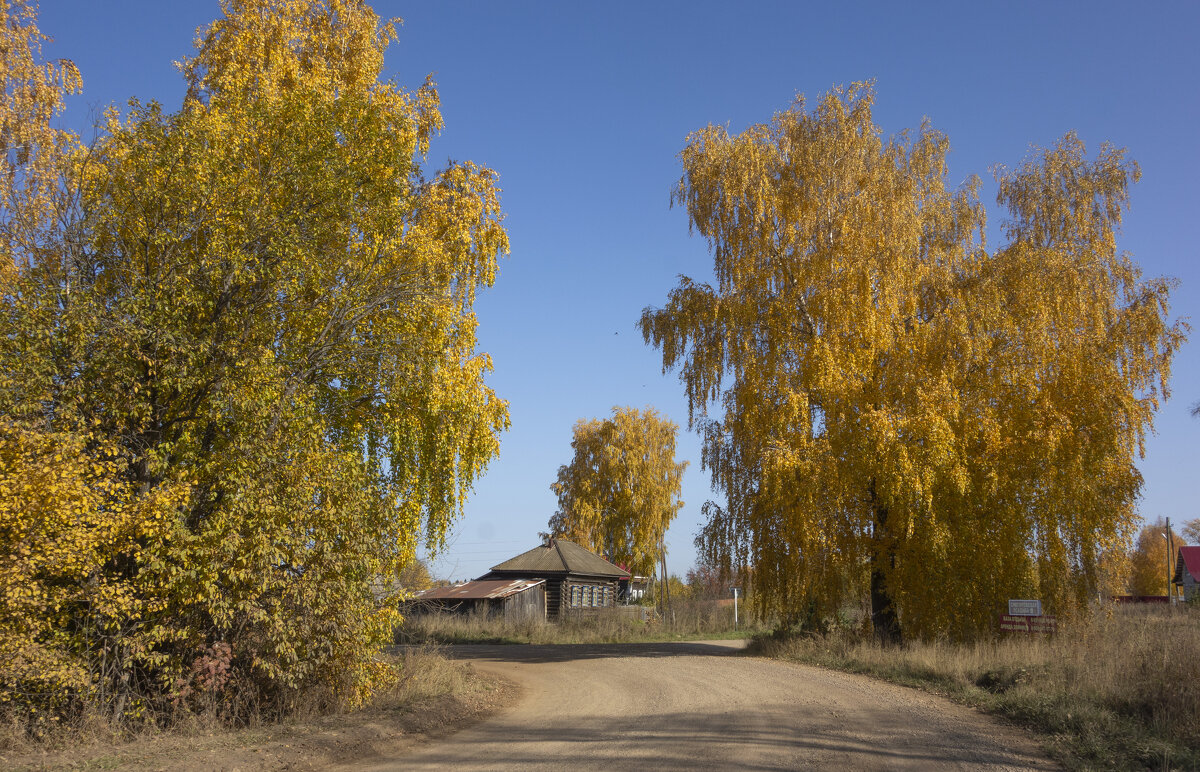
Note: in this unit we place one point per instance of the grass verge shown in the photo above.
(600, 626)
(1118, 691)
(434, 697)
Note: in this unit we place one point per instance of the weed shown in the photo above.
(623, 624)
(1119, 691)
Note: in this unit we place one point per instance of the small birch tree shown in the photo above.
(620, 492)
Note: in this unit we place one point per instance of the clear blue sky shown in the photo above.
(582, 108)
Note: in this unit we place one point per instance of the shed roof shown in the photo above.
(1189, 557)
(479, 589)
(560, 556)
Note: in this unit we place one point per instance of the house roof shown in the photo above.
(560, 556)
(1189, 557)
(479, 589)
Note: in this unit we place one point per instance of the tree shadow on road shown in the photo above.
(568, 652)
(744, 740)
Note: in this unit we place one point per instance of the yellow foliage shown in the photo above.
(620, 492)
(1151, 560)
(31, 150)
(267, 318)
(68, 523)
(903, 413)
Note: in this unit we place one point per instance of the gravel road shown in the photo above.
(667, 706)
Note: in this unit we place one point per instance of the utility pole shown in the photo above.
(1170, 553)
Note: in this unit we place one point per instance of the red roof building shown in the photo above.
(1187, 571)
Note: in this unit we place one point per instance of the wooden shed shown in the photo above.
(576, 580)
(1187, 571)
(512, 599)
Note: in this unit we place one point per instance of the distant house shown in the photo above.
(576, 580)
(1187, 571)
(633, 589)
(512, 599)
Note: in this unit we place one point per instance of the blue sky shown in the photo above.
(583, 108)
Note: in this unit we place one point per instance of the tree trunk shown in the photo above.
(883, 558)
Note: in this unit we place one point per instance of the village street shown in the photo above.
(696, 705)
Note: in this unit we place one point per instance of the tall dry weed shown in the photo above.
(1120, 689)
(613, 625)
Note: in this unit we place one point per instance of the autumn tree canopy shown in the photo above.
(1152, 559)
(890, 407)
(31, 97)
(1191, 531)
(620, 491)
(259, 319)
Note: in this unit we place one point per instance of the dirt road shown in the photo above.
(693, 706)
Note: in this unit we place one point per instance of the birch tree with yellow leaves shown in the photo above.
(1152, 560)
(31, 97)
(891, 409)
(266, 325)
(620, 492)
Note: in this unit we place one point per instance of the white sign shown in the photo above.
(1024, 608)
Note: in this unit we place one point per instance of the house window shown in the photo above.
(590, 596)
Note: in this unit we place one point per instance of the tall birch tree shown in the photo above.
(266, 329)
(890, 408)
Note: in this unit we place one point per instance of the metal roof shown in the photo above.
(1189, 557)
(562, 557)
(479, 589)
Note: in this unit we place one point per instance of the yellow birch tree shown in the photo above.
(890, 409)
(31, 96)
(1152, 560)
(620, 492)
(270, 308)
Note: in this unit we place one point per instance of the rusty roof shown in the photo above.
(479, 589)
(560, 556)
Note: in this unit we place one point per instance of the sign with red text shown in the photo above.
(1027, 624)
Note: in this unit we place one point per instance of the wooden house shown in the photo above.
(576, 580)
(1187, 571)
(512, 599)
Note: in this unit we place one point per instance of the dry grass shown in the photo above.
(1119, 691)
(687, 620)
(434, 695)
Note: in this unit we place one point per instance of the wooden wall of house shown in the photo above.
(558, 590)
(554, 599)
(529, 604)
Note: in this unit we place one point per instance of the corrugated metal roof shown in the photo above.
(561, 556)
(479, 589)
(1189, 557)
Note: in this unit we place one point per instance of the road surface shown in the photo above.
(692, 706)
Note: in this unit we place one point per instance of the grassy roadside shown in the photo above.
(435, 696)
(598, 627)
(1121, 691)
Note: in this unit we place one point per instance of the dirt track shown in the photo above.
(692, 706)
